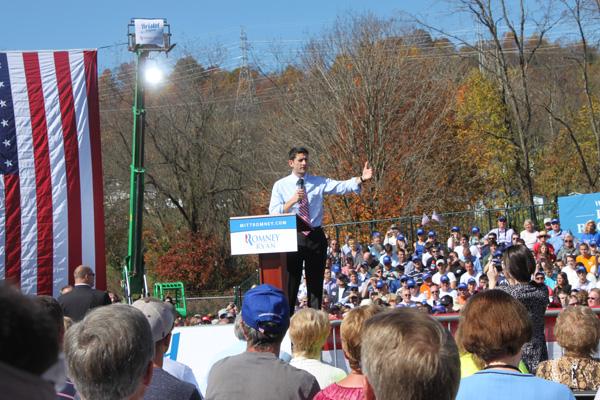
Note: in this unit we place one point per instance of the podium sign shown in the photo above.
(263, 234)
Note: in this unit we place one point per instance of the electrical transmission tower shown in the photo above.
(245, 96)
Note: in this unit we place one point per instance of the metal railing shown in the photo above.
(243, 287)
(447, 320)
(484, 218)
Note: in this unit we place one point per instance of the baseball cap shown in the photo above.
(379, 285)
(593, 243)
(581, 270)
(555, 221)
(446, 300)
(400, 238)
(376, 234)
(540, 273)
(266, 309)
(387, 259)
(416, 258)
(431, 233)
(420, 231)
(441, 261)
(426, 276)
(547, 220)
(472, 281)
(444, 279)
(335, 268)
(438, 309)
(475, 229)
(502, 218)
(403, 278)
(394, 226)
(462, 286)
(159, 314)
(455, 229)
(497, 253)
(411, 283)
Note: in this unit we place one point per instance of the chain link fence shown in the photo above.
(484, 218)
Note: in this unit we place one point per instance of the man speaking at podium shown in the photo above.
(302, 194)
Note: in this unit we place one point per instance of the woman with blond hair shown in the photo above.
(590, 233)
(351, 387)
(577, 331)
(529, 234)
(309, 329)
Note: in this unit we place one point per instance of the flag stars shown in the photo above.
(2, 103)
(4, 123)
(6, 143)
(1, 84)
(8, 163)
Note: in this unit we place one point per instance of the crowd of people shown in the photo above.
(440, 274)
(86, 345)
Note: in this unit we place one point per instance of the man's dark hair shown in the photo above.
(297, 150)
(28, 336)
(51, 307)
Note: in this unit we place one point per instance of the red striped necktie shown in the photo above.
(304, 213)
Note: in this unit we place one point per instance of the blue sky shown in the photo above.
(38, 24)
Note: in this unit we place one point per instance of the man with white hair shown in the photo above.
(109, 354)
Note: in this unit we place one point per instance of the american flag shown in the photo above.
(51, 211)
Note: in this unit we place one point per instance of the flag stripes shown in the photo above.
(51, 210)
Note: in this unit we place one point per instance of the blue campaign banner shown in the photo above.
(262, 223)
(576, 210)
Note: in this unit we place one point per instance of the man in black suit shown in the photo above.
(83, 297)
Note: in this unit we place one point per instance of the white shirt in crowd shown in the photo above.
(464, 278)
(436, 277)
(324, 373)
(474, 252)
(529, 238)
(452, 293)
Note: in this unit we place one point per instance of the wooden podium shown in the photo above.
(273, 270)
(271, 237)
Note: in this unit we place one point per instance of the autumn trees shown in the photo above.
(447, 123)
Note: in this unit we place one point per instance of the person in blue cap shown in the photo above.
(419, 244)
(258, 373)
(557, 234)
(454, 238)
(503, 232)
(389, 254)
(376, 246)
(583, 283)
(476, 238)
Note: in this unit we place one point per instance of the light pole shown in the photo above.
(145, 35)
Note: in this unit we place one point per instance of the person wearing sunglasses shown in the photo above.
(569, 246)
(593, 299)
